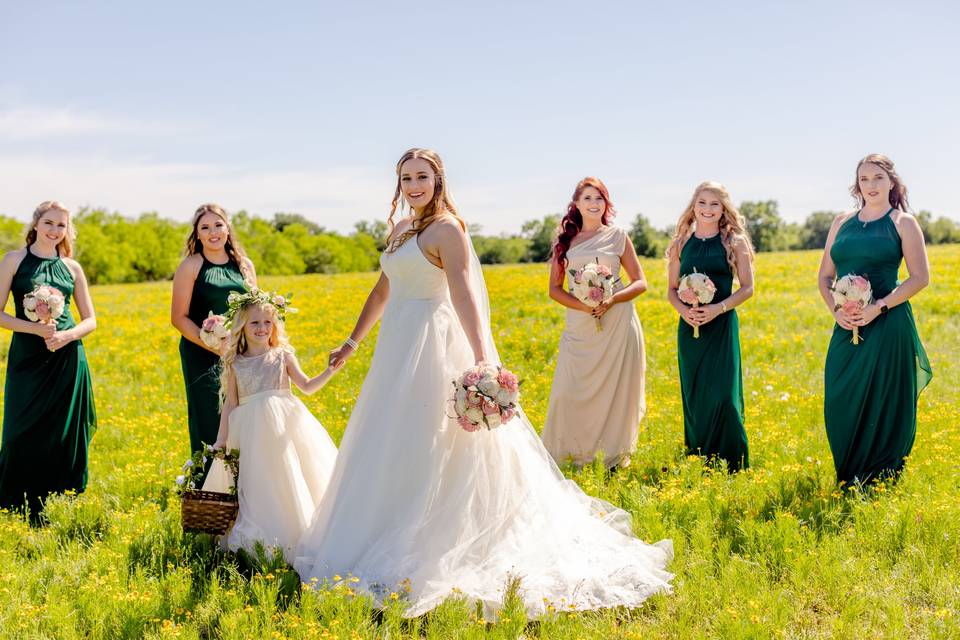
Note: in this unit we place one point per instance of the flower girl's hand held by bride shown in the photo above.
(304, 383)
(338, 357)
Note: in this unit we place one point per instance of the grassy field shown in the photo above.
(772, 552)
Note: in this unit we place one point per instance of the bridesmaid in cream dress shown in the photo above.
(597, 398)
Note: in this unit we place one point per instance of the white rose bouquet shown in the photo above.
(486, 396)
(591, 284)
(696, 289)
(44, 304)
(852, 292)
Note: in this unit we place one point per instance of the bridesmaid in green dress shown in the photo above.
(710, 238)
(214, 266)
(871, 388)
(48, 410)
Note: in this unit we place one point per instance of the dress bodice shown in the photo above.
(412, 276)
(708, 256)
(266, 372)
(34, 271)
(606, 248)
(210, 290)
(869, 249)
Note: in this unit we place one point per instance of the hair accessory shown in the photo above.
(255, 296)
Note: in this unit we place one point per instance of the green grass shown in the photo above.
(776, 551)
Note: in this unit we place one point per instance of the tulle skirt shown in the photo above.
(419, 507)
(286, 458)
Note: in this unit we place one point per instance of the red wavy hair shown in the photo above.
(572, 222)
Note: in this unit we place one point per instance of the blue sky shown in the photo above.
(305, 106)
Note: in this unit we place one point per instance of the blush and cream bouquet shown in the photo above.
(850, 293)
(214, 330)
(696, 289)
(44, 304)
(485, 396)
(591, 284)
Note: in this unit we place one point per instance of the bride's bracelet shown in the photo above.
(352, 343)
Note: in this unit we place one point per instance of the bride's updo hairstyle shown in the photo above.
(442, 201)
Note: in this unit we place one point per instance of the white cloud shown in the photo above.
(42, 122)
(333, 198)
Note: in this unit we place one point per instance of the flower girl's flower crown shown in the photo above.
(255, 296)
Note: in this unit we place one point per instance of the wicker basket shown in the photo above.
(208, 511)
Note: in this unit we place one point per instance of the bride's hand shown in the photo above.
(338, 357)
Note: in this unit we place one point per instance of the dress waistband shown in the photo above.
(283, 393)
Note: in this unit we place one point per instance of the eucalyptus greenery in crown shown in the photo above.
(237, 300)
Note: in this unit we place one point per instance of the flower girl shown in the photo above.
(286, 456)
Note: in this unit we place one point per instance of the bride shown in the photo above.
(419, 506)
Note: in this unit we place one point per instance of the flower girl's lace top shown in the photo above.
(266, 372)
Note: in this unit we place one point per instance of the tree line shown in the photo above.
(767, 228)
(114, 248)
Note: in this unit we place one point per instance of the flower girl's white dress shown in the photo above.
(415, 497)
(286, 457)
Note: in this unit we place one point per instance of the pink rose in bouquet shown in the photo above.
(508, 380)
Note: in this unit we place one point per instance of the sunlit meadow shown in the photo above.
(775, 551)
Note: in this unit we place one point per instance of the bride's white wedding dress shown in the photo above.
(415, 497)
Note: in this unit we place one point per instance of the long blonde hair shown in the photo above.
(65, 246)
(232, 246)
(732, 225)
(442, 201)
(898, 192)
(237, 342)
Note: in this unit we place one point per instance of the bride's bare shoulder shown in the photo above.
(447, 230)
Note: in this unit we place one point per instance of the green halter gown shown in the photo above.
(201, 368)
(48, 411)
(711, 381)
(871, 388)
